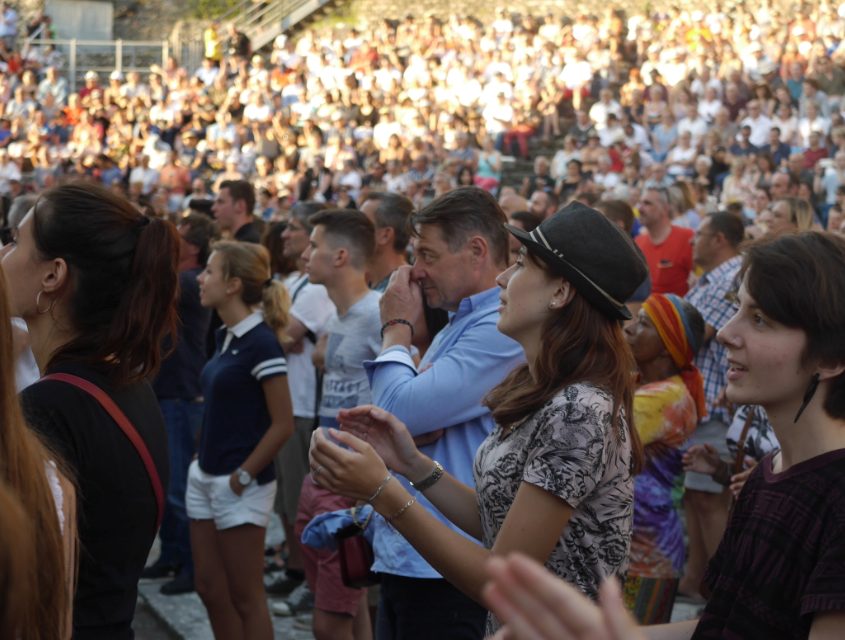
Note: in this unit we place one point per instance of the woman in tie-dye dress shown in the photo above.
(664, 339)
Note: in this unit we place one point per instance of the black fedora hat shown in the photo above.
(592, 253)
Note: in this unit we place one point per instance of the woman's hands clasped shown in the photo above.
(354, 461)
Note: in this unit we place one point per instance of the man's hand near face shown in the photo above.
(402, 300)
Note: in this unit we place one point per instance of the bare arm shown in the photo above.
(277, 397)
(453, 498)
(532, 526)
(295, 330)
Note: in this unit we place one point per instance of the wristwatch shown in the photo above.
(244, 477)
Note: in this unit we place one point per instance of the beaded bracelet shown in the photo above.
(404, 508)
(394, 322)
(428, 481)
(381, 487)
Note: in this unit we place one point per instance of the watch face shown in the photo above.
(244, 478)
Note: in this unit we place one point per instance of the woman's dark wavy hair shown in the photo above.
(580, 345)
(799, 281)
(123, 281)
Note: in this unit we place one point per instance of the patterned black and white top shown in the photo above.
(572, 449)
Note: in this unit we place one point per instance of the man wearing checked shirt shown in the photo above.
(715, 250)
(460, 246)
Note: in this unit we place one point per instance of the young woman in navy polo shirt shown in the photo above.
(248, 417)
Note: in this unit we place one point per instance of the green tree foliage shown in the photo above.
(211, 8)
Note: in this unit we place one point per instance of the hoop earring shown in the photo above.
(38, 304)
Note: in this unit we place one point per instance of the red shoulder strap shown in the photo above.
(128, 430)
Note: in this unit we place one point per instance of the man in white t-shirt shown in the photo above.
(9, 170)
(759, 123)
(310, 312)
(694, 124)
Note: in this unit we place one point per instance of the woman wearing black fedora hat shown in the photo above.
(555, 478)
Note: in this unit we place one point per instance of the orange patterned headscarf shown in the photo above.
(667, 315)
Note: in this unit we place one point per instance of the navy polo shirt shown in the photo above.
(236, 415)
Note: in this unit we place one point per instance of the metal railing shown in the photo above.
(262, 22)
(105, 56)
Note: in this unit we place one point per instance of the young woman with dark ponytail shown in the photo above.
(248, 417)
(37, 525)
(96, 283)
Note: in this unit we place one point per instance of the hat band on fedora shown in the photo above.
(537, 235)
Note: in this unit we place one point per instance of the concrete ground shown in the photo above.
(183, 617)
(148, 626)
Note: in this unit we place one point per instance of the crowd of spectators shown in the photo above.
(741, 103)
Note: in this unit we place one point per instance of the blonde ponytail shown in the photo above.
(275, 300)
(251, 263)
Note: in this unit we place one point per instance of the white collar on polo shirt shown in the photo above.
(240, 330)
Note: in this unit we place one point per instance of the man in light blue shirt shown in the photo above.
(461, 246)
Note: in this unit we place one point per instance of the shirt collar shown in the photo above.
(239, 330)
(726, 267)
(476, 301)
(250, 322)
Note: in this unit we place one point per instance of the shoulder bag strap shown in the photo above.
(128, 430)
(300, 285)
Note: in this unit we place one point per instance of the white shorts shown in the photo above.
(210, 497)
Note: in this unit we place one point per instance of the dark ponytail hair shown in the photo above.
(123, 279)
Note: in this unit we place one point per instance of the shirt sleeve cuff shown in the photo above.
(397, 353)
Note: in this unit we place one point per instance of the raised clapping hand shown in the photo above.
(702, 458)
(386, 433)
(536, 605)
(354, 472)
(376, 440)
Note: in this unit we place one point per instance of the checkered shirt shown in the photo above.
(711, 296)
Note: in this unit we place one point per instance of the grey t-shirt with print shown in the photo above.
(352, 338)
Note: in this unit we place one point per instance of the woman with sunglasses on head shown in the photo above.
(555, 478)
(96, 283)
(779, 572)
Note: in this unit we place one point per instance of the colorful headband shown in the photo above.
(672, 324)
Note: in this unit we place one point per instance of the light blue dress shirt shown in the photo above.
(467, 358)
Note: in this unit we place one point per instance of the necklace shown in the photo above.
(508, 430)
